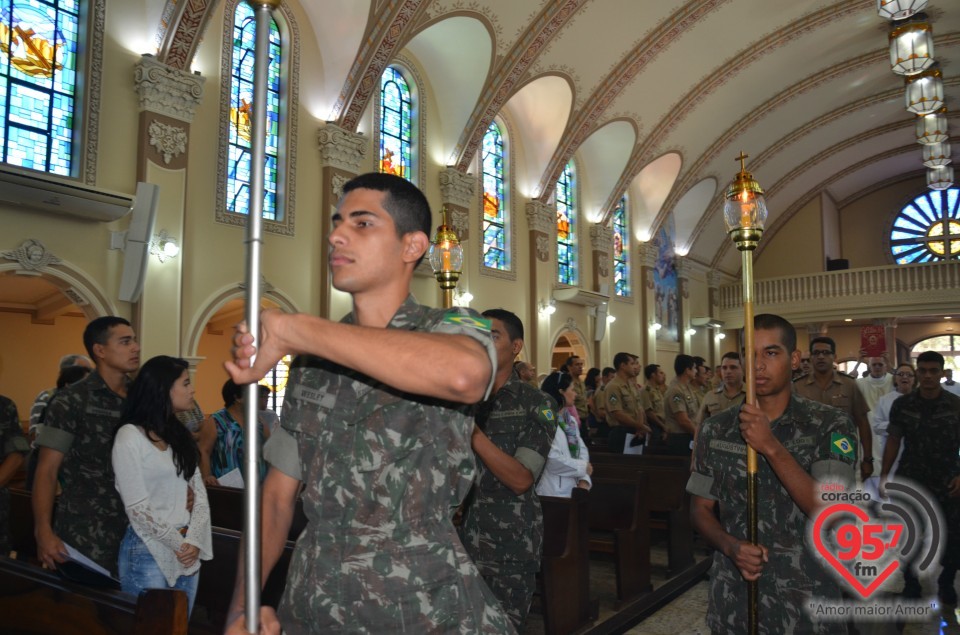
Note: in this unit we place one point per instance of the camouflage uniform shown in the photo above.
(813, 434)
(717, 401)
(930, 433)
(79, 423)
(503, 531)
(382, 472)
(11, 440)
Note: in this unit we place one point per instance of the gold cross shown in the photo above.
(741, 159)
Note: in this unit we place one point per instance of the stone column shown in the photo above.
(168, 99)
(342, 156)
(601, 243)
(542, 225)
(457, 191)
(713, 302)
(683, 290)
(647, 260)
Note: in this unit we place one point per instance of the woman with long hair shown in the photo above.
(568, 464)
(156, 462)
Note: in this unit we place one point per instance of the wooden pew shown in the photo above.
(217, 578)
(34, 601)
(619, 525)
(564, 580)
(22, 539)
(665, 495)
(226, 510)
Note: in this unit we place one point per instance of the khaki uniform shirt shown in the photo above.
(382, 472)
(717, 401)
(652, 399)
(600, 402)
(842, 392)
(622, 396)
(679, 398)
(580, 399)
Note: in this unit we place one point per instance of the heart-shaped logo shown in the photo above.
(862, 551)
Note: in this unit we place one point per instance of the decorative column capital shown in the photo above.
(541, 217)
(886, 322)
(682, 266)
(457, 188)
(340, 148)
(166, 90)
(601, 238)
(714, 279)
(818, 328)
(647, 254)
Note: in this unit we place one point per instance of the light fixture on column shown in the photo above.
(924, 91)
(655, 326)
(691, 331)
(940, 178)
(611, 319)
(932, 128)
(547, 308)
(164, 246)
(462, 298)
(936, 155)
(911, 47)
(899, 9)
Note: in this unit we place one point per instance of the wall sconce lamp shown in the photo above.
(548, 308)
(721, 336)
(164, 246)
(611, 319)
(655, 326)
(462, 298)
(691, 331)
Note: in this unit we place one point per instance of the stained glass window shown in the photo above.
(241, 109)
(928, 228)
(496, 251)
(38, 81)
(567, 270)
(395, 124)
(621, 250)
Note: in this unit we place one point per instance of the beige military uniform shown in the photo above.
(622, 396)
(716, 402)
(679, 398)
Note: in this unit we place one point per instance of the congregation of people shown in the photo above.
(421, 475)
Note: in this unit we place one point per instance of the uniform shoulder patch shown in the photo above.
(547, 414)
(840, 444)
(467, 320)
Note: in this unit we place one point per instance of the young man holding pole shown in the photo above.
(799, 443)
(380, 442)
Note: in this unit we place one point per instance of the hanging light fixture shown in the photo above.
(936, 155)
(940, 178)
(932, 128)
(924, 91)
(899, 9)
(911, 47)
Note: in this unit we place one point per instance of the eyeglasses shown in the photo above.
(903, 374)
(821, 353)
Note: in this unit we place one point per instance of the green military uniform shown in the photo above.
(11, 440)
(580, 398)
(79, 423)
(822, 441)
(503, 531)
(622, 395)
(717, 401)
(382, 472)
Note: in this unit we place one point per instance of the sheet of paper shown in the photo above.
(233, 478)
(631, 449)
(79, 558)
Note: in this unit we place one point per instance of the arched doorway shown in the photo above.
(569, 342)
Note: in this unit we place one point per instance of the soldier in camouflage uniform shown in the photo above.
(927, 423)
(75, 441)
(799, 442)
(13, 448)
(502, 526)
(375, 427)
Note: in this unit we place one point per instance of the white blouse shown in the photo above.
(155, 498)
(562, 472)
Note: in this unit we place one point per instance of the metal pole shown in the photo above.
(751, 389)
(251, 468)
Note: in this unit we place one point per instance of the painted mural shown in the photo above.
(666, 286)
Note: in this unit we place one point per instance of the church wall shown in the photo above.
(865, 223)
(781, 256)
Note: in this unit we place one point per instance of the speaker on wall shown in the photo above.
(136, 249)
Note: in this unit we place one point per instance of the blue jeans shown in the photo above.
(139, 571)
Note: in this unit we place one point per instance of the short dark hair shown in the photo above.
(405, 202)
(682, 362)
(231, 393)
(732, 355)
(823, 339)
(931, 356)
(590, 381)
(650, 370)
(699, 361)
(71, 375)
(569, 361)
(622, 358)
(788, 334)
(98, 332)
(608, 370)
(510, 322)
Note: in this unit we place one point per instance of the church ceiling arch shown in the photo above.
(689, 209)
(602, 157)
(649, 189)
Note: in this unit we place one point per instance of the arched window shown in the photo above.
(946, 345)
(567, 269)
(496, 237)
(38, 84)
(928, 228)
(396, 124)
(241, 104)
(621, 250)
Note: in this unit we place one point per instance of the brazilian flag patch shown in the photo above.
(840, 444)
(547, 414)
(465, 320)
